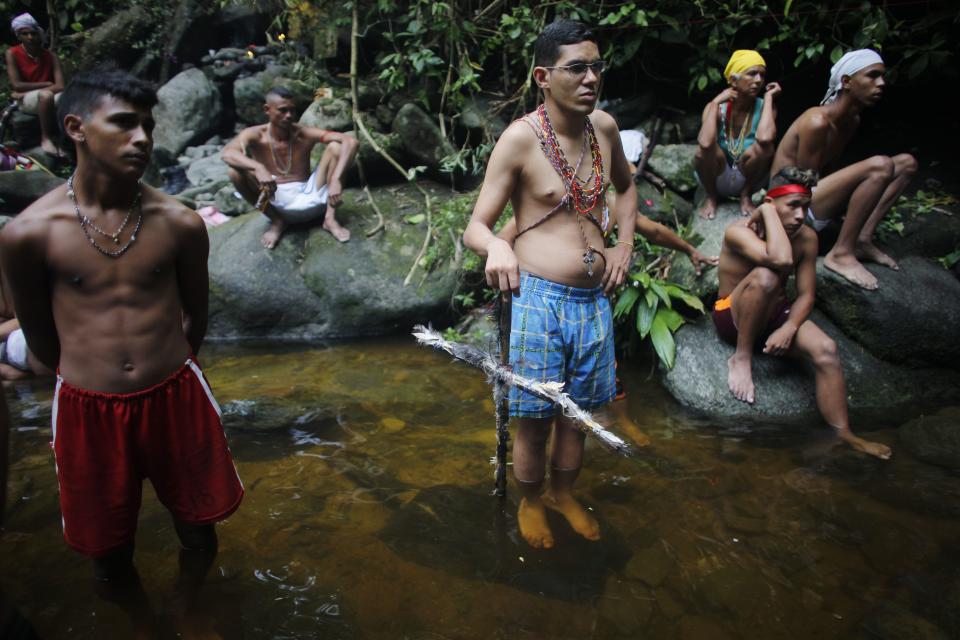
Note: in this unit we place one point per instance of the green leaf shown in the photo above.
(689, 299)
(651, 298)
(919, 66)
(415, 219)
(626, 301)
(786, 8)
(702, 82)
(645, 315)
(661, 293)
(671, 318)
(836, 54)
(663, 342)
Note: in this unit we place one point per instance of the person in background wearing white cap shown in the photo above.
(860, 194)
(35, 77)
(737, 134)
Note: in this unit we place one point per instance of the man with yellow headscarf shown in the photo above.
(737, 134)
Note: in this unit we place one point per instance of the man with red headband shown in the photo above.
(758, 255)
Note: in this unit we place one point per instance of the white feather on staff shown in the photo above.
(496, 373)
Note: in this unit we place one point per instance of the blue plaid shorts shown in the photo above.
(561, 334)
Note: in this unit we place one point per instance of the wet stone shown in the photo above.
(898, 624)
(392, 425)
(627, 608)
(668, 603)
(650, 565)
(790, 555)
(744, 523)
(735, 589)
(933, 439)
(702, 628)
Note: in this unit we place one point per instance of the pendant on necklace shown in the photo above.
(589, 259)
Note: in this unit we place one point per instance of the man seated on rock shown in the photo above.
(270, 167)
(862, 192)
(16, 360)
(758, 255)
(35, 77)
(737, 134)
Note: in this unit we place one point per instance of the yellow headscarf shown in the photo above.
(741, 60)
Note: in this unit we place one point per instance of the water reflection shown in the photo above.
(368, 515)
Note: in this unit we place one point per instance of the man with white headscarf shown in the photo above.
(737, 134)
(861, 193)
(35, 77)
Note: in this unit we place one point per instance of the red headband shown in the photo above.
(787, 189)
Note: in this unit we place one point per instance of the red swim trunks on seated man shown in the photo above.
(554, 166)
(737, 134)
(859, 194)
(35, 77)
(109, 282)
(758, 255)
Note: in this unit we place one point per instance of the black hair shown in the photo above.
(546, 49)
(795, 175)
(280, 92)
(85, 91)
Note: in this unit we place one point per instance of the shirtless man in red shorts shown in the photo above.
(109, 282)
(757, 257)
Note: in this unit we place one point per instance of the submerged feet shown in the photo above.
(874, 449)
(850, 268)
(579, 518)
(740, 377)
(532, 518)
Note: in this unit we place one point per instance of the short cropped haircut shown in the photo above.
(280, 92)
(546, 49)
(85, 91)
(795, 175)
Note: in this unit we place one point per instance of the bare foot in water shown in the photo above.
(532, 518)
(272, 235)
(870, 252)
(579, 518)
(740, 377)
(874, 449)
(851, 269)
(746, 205)
(341, 233)
(708, 209)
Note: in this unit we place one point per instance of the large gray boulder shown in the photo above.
(188, 112)
(707, 236)
(933, 439)
(207, 170)
(421, 136)
(932, 234)
(911, 319)
(785, 390)
(311, 286)
(249, 93)
(18, 189)
(674, 163)
(114, 41)
(668, 207)
(333, 114)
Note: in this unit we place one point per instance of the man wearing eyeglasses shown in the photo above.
(554, 166)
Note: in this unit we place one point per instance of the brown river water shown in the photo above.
(368, 514)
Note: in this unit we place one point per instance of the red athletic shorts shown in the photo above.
(106, 444)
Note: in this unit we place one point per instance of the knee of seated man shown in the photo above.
(906, 164)
(882, 167)
(765, 279)
(825, 352)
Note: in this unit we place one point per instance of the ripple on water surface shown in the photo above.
(368, 515)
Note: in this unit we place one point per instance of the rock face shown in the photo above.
(668, 207)
(421, 136)
(910, 319)
(933, 439)
(113, 40)
(188, 112)
(311, 286)
(18, 189)
(207, 170)
(249, 93)
(333, 114)
(932, 235)
(710, 235)
(785, 390)
(674, 163)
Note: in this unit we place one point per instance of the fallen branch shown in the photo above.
(381, 223)
(498, 374)
(423, 247)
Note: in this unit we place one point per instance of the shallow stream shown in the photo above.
(368, 514)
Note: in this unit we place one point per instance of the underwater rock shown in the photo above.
(651, 565)
(311, 286)
(933, 439)
(910, 319)
(896, 623)
(626, 607)
(735, 589)
(785, 390)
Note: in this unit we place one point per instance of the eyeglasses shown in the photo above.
(580, 68)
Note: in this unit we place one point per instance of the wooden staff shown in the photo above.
(501, 395)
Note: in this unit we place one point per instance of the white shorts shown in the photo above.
(14, 352)
(30, 102)
(299, 202)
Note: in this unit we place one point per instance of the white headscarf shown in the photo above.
(849, 64)
(25, 21)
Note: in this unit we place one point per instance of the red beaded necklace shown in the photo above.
(584, 194)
